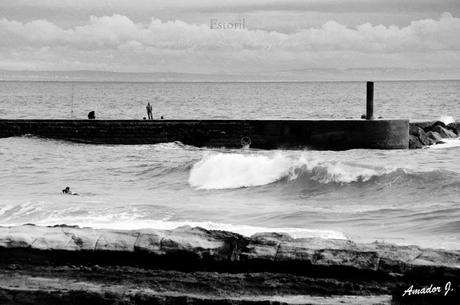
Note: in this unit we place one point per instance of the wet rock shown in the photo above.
(425, 139)
(265, 245)
(432, 126)
(421, 135)
(218, 246)
(414, 129)
(422, 125)
(436, 137)
(429, 133)
(443, 132)
(454, 127)
(66, 226)
(414, 142)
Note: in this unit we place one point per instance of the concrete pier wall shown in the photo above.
(265, 134)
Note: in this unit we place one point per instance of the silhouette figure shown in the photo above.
(67, 191)
(149, 111)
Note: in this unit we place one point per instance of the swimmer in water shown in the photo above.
(67, 191)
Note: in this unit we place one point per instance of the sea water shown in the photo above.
(399, 196)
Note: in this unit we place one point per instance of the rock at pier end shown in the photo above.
(423, 134)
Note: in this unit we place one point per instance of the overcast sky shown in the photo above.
(280, 35)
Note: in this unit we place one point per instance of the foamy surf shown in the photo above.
(232, 170)
(448, 143)
(245, 230)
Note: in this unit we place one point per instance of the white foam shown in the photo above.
(117, 223)
(245, 230)
(448, 143)
(332, 171)
(232, 170)
(221, 170)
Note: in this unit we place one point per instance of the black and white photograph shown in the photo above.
(238, 152)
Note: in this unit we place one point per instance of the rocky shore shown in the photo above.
(422, 134)
(71, 265)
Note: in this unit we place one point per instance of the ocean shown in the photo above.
(398, 196)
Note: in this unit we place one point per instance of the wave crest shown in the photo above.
(231, 170)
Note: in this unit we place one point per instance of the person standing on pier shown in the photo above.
(149, 111)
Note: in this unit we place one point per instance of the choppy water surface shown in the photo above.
(407, 197)
(416, 100)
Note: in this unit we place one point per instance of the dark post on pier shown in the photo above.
(370, 101)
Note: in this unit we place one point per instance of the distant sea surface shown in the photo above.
(404, 197)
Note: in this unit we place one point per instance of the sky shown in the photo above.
(281, 37)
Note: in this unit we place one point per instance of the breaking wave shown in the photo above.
(231, 170)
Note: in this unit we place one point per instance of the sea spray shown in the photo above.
(447, 119)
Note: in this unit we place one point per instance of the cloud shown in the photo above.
(279, 15)
(117, 42)
(116, 31)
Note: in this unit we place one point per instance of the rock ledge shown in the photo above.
(65, 264)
